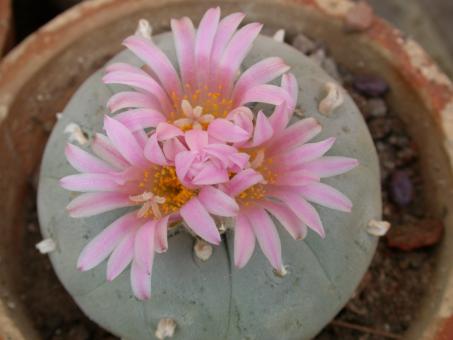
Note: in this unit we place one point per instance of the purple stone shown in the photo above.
(401, 188)
(370, 86)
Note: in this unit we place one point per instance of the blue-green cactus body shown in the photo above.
(213, 299)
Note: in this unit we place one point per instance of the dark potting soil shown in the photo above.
(383, 305)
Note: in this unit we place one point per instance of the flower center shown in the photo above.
(163, 193)
(254, 193)
(199, 107)
(263, 164)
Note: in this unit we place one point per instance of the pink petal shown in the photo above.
(199, 221)
(240, 160)
(220, 151)
(91, 204)
(267, 236)
(103, 148)
(235, 52)
(204, 41)
(153, 151)
(210, 175)
(196, 139)
(183, 163)
(84, 162)
(172, 148)
(132, 99)
(157, 61)
(296, 178)
(327, 196)
(226, 131)
(290, 85)
(262, 72)
(269, 94)
(263, 130)
(122, 255)
(244, 241)
(302, 209)
(124, 67)
(184, 37)
(279, 118)
(161, 239)
(123, 140)
(140, 81)
(287, 218)
(141, 137)
(295, 135)
(144, 246)
(242, 181)
(138, 119)
(283, 112)
(103, 244)
(89, 182)
(140, 281)
(225, 30)
(217, 202)
(331, 166)
(166, 131)
(294, 158)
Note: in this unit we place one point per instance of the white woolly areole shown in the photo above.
(203, 250)
(334, 98)
(144, 29)
(46, 246)
(279, 36)
(378, 228)
(75, 134)
(165, 328)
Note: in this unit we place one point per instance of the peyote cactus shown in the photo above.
(289, 293)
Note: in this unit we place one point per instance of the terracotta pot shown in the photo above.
(5, 26)
(39, 76)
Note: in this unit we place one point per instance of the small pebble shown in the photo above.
(376, 107)
(415, 235)
(370, 86)
(401, 188)
(359, 18)
(361, 103)
(380, 128)
(304, 44)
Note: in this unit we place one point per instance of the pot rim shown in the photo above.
(405, 55)
(5, 26)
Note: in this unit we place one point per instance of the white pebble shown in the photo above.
(75, 134)
(378, 228)
(333, 99)
(59, 115)
(279, 36)
(165, 328)
(203, 250)
(144, 29)
(46, 246)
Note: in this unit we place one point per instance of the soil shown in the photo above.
(384, 304)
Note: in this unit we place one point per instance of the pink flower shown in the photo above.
(284, 176)
(132, 172)
(207, 86)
